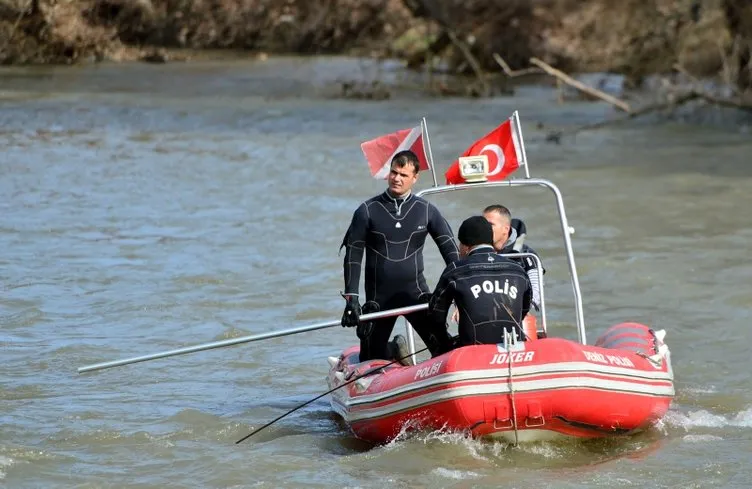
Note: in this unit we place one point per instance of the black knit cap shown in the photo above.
(475, 231)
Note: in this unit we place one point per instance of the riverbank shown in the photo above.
(71, 31)
(651, 55)
(636, 38)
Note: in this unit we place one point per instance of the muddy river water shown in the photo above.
(144, 208)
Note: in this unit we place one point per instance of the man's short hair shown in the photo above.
(474, 231)
(406, 157)
(500, 209)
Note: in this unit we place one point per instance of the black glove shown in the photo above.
(424, 298)
(351, 316)
(366, 328)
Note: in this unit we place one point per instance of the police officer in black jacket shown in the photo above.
(391, 229)
(492, 293)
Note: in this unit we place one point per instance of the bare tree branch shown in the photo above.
(515, 73)
(580, 86)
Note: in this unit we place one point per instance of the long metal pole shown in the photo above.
(247, 339)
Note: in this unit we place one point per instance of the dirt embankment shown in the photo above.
(633, 37)
(68, 31)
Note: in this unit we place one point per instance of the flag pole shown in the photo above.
(427, 149)
(518, 128)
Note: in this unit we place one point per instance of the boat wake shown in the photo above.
(5, 463)
(496, 452)
(706, 419)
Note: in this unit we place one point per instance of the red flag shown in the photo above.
(504, 151)
(380, 151)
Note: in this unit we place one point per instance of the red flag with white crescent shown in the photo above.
(504, 151)
(380, 151)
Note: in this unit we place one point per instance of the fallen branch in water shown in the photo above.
(729, 102)
(735, 102)
(560, 75)
(555, 136)
(672, 103)
(515, 73)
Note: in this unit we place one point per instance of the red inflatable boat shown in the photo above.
(526, 391)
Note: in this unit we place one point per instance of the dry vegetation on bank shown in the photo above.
(637, 38)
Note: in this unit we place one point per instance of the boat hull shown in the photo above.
(535, 390)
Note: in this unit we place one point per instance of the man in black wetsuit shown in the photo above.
(491, 292)
(508, 237)
(391, 229)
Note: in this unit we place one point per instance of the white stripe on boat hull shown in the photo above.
(499, 386)
(574, 369)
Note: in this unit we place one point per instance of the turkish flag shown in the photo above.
(380, 151)
(504, 151)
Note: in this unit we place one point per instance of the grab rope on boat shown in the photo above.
(508, 343)
(508, 338)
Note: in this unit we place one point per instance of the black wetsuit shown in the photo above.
(391, 232)
(479, 284)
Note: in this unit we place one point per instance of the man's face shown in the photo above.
(500, 227)
(401, 179)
